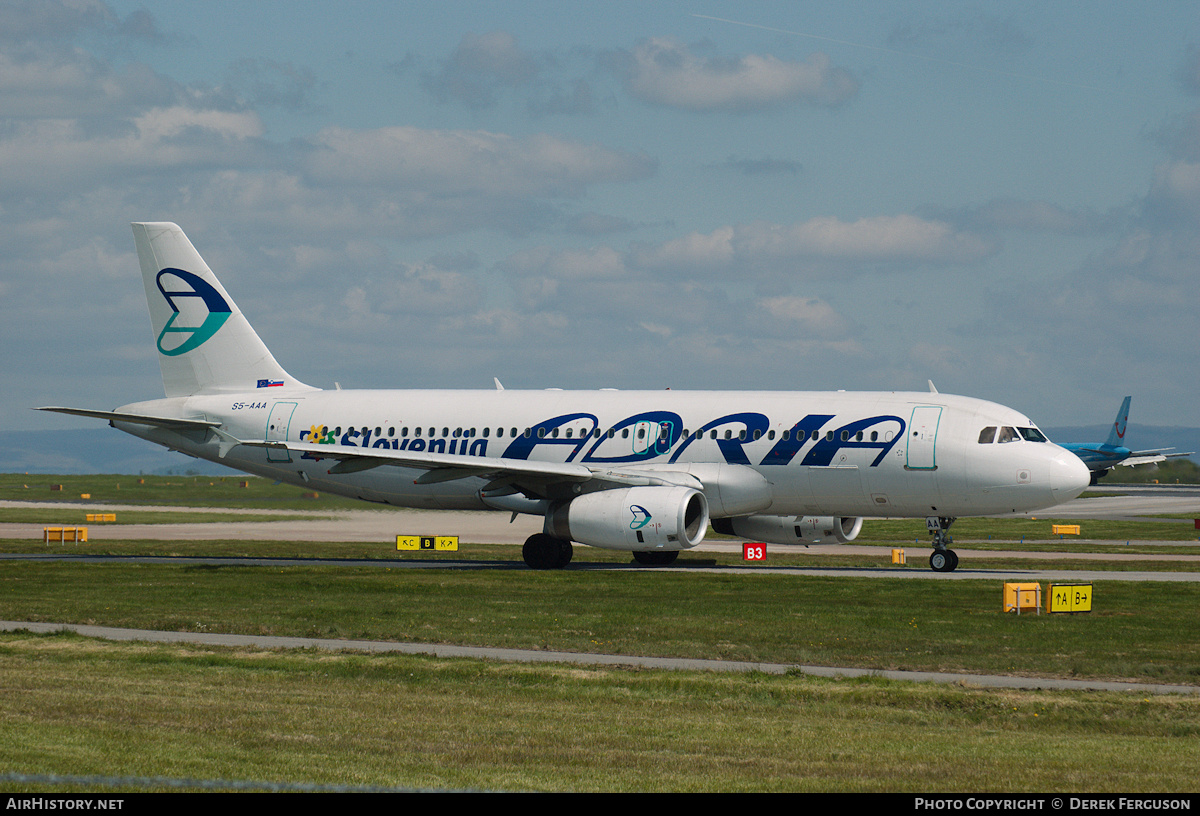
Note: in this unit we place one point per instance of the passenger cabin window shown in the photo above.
(988, 435)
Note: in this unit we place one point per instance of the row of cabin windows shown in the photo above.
(664, 433)
(999, 435)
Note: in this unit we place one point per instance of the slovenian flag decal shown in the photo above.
(269, 383)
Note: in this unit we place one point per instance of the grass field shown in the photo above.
(76, 706)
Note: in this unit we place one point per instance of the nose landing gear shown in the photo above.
(943, 559)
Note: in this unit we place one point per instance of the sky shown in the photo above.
(1001, 198)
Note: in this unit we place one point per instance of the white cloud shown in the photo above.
(43, 152)
(457, 162)
(899, 239)
(813, 315)
(665, 72)
(479, 67)
(1176, 191)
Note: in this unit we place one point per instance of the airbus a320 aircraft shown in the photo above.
(640, 471)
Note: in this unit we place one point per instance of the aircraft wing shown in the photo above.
(508, 476)
(1151, 457)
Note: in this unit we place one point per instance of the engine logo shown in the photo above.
(641, 517)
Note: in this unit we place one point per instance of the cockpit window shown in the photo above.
(1033, 435)
(987, 435)
(1007, 435)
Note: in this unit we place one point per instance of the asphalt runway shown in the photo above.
(383, 525)
(375, 524)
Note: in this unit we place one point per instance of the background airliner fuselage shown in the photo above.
(1102, 457)
(643, 471)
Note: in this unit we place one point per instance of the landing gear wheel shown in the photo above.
(943, 560)
(543, 552)
(656, 558)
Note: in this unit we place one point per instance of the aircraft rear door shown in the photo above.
(277, 430)
(922, 437)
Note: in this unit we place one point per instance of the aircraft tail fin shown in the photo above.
(205, 344)
(1116, 437)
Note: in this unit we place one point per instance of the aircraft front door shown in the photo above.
(922, 437)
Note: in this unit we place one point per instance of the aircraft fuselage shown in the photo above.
(824, 453)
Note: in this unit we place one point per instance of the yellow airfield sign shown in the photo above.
(435, 543)
(1069, 598)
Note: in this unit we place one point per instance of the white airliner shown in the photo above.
(639, 471)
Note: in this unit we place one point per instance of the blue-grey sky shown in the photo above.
(1003, 198)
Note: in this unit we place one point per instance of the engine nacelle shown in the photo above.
(634, 518)
(791, 529)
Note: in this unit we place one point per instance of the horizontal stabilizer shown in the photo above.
(137, 419)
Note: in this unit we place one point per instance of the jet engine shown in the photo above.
(791, 529)
(648, 518)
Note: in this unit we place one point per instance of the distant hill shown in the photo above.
(106, 450)
(94, 450)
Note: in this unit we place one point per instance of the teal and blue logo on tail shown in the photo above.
(176, 284)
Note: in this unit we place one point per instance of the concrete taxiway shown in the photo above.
(375, 524)
(589, 659)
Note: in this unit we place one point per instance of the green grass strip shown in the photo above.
(81, 707)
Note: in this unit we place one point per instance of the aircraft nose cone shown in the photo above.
(1069, 476)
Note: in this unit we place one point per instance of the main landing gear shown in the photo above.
(543, 552)
(656, 558)
(943, 559)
